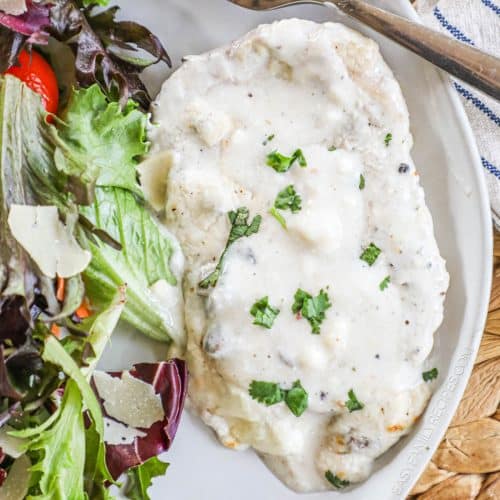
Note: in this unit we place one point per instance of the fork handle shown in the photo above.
(462, 61)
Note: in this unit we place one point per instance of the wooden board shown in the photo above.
(467, 462)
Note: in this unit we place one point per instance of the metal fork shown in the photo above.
(466, 63)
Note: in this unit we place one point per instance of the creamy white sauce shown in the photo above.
(312, 87)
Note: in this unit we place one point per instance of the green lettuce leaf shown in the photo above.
(96, 144)
(47, 178)
(13, 261)
(113, 139)
(104, 135)
(93, 467)
(58, 452)
(143, 260)
(140, 478)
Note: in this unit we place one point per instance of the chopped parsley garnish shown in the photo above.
(263, 313)
(335, 480)
(430, 375)
(282, 163)
(287, 199)
(370, 254)
(266, 393)
(239, 228)
(388, 139)
(361, 182)
(385, 283)
(296, 399)
(332, 148)
(311, 308)
(269, 393)
(269, 138)
(352, 404)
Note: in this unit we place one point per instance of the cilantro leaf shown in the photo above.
(270, 393)
(311, 308)
(282, 163)
(361, 182)
(263, 313)
(239, 228)
(296, 399)
(332, 148)
(299, 155)
(267, 393)
(287, 199)
(352, 404)
(430, 375)
(335, 480)
(370, 254)
(385, 283)
(387, 139)
(140, 478)
(274, 212)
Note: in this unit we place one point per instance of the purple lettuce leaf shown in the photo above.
(32, 23)
(169, 381)
(3, 472)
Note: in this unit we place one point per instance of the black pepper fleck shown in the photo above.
(377, 356)
(403, 168)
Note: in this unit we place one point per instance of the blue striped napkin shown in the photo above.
(476, 22)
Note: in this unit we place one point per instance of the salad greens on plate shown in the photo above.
(79, 251)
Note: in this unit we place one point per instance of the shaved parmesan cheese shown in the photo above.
(117, 433)
(129, 400)
(153, 173)
(47, 240)
(13, 7)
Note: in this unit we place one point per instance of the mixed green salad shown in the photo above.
(79, 251)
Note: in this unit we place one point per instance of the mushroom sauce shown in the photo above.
(313, 283)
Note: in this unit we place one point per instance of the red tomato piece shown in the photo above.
(37, 74)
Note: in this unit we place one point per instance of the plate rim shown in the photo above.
(484, 209)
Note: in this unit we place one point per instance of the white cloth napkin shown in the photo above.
(475, 22)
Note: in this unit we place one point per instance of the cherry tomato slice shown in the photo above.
(37, 74)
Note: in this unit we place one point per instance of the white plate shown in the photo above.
(448, 161)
